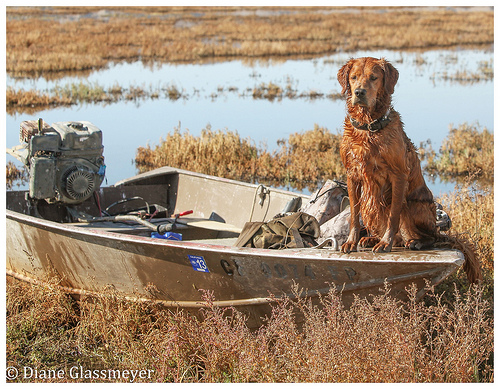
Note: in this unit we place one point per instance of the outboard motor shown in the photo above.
(65, 160)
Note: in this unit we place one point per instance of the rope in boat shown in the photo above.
(264, 191)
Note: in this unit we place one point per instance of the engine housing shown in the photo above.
(65, 160)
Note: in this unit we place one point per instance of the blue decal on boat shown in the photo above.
(198, 263)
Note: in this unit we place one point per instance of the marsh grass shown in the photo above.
(381, 339)
(485, 72)
(78, 39)
(63, 41)
(467, 149)
(30, 101)
(14, 175)
(219, 153)
(308, 158)
(268, 91)
(304, 160)
(471, 208)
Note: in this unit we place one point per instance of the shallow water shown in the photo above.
(217, 95)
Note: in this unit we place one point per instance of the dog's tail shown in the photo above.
(472, 265)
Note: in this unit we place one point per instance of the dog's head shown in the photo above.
(367, 81)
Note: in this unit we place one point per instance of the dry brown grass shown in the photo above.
(471, 208)
(304, 160)
(484, 73)
(21, 101)
(377, 340)
(218, 153)
(52, 41)
(307, 159)
(31, 101)
(15, 176)
(465, 150)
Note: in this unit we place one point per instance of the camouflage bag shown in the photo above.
(293, 230)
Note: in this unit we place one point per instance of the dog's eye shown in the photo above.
(353, 77)
(373, 78)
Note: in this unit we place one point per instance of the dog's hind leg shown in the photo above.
(420, 244)
(418, 226)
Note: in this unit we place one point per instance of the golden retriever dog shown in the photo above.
(384, 179)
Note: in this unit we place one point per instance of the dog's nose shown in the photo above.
(359, 92)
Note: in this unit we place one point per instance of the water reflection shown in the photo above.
(218, 95)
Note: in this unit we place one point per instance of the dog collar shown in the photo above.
(374, 126)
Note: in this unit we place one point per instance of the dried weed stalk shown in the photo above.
(380, 339)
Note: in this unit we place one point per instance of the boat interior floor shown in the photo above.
(191, 229)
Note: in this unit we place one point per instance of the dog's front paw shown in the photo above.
(382, 247)
(368, 241)
(349, 246)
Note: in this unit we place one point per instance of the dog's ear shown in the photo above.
(343, 76)
(391, 76)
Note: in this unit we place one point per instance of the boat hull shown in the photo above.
(45, 242)
(88, 261)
